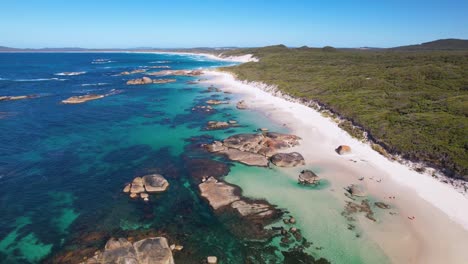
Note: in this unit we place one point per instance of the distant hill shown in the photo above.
(2, 48)
(441, 44)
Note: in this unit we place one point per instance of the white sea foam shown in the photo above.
(39, 80)
(101, 61)
(160, 62)
(94, 84)
(70, 73)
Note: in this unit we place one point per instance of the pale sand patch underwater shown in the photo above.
(439, 232)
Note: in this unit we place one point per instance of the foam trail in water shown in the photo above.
(39, 80)
(94, 84)
(70, 73)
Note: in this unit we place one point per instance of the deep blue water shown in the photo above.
(63, 167)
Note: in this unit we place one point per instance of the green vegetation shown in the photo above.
(441, 44)
(411, 103)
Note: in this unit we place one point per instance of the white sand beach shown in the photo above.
(438, 229)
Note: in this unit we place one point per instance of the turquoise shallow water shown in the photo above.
(63, 167)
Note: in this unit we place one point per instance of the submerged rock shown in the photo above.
(357, 190)
(382, 205)
(241, 105)
(353, 208)
(308, 177)
(161, 81)
(343, 149)
(292, 159)
(247, 209)
(203, 109)
(147, 251)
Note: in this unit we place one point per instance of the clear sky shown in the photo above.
(244, 23)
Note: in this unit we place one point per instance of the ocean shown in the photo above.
(63, 166)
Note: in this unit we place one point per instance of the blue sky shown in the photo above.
(178, 23)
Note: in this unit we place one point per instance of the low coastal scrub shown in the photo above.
(413, 104)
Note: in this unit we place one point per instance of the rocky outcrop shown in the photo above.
(220, 194)
(133, 72)
(155, 183)
(241, 105)
(216, 102)
(248, 158)
(18, 97)
(147, 251)
(140, 81)
(141, 186)
(292, 159)
(253, 149)
(343, 149)
(147, 80)
(244, 217)
(212, 260)
(213, 125)
(308, 177)
(83, 98)
(177, 73)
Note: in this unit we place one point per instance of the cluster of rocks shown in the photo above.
(293, 231)
(241, 105)
(177, 73)
(212, 89)
(216, 102)
(343, 149)
(82, 98)
(141, 186)
(153, 250)
(18, 97)
(307, 177)
(258, 149)
(215, 125)
(133, 72)
(352, 208)
(203, 109)
(147, 80)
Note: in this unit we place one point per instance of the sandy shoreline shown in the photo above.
(441, 225)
